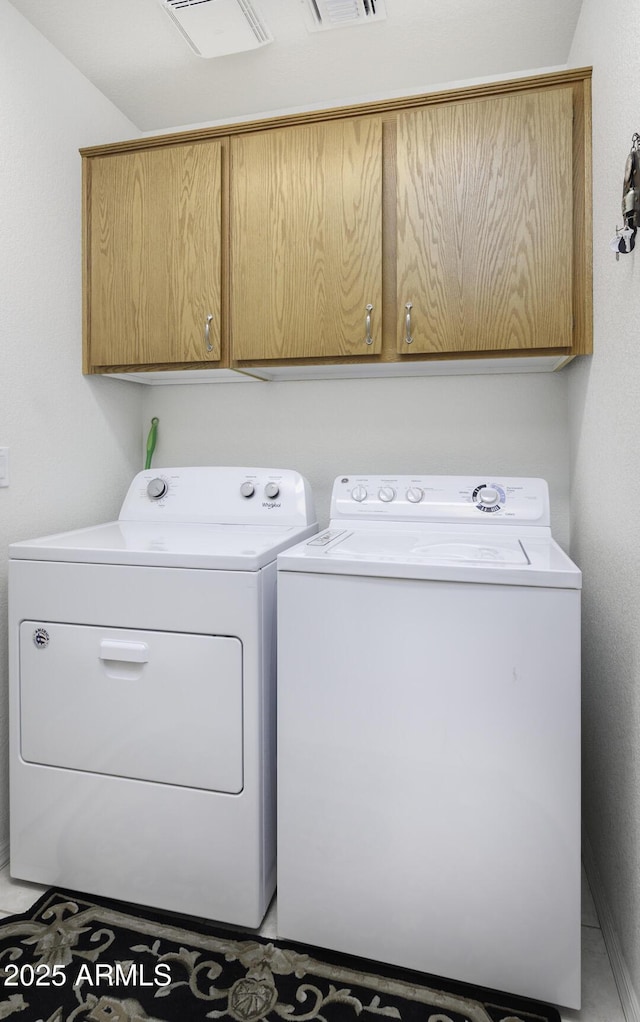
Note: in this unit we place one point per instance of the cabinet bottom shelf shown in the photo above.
(266, 373)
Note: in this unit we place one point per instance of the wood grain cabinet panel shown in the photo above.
(485, 224)
(154, 256)
(371, 238)
(306, 241)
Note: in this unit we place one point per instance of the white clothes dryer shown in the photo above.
(142, 694)
(429, 733)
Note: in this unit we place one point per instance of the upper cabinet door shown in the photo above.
(306, 241)
(154, 256)
(484, 224)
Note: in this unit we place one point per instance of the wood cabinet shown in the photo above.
(153, 256)
(484, 224)
(392, 234)
(306, 241)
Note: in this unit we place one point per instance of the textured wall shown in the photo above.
(605, 430)
(73, 443)
(511, 424)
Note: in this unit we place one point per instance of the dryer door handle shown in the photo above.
(128, 652)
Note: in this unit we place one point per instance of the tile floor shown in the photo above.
(600, 1000)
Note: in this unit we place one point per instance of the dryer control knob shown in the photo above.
(415, 494)
(247, 490)
(272, 490)
(156, 489)
(488, 495)
(359, 493)
(386, 493)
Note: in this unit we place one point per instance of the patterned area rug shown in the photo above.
(78, 959)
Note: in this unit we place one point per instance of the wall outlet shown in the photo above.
(4, 466)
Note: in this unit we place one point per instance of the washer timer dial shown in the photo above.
(488, 497)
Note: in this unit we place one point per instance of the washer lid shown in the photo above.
(427, 548)
(166, 544)
(435, 552)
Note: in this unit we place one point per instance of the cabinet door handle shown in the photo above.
(407, 323)
(207, 334)
(368, 339)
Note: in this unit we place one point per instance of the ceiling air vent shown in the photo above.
(324, 14)
(214, 28)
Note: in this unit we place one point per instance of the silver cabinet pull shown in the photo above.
(207, 334)
(368, 339)
(407, 324)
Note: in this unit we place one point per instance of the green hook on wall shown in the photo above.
(151, 441)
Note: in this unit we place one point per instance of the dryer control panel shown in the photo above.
(456, 500)
(220, 495)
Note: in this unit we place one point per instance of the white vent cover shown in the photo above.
(324, 14)
(214, 28)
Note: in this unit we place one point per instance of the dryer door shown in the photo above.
(155, 706)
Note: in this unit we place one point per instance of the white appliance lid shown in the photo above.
(198, 517)
(427, 547)
(437, 553)
(483, 528)
(169, 544)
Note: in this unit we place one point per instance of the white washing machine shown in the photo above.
(429, 733)
(142, 694)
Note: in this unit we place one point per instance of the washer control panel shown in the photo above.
(220, 495)
(447, 499)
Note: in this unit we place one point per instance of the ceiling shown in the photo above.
(130, 50)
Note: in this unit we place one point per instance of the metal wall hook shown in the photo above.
(625, 239)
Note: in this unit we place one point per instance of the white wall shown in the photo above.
(74, 443)
(605, 438)
(511, 424)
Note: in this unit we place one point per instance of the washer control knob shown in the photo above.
(415, 494)
(156, 489)
(359, 493)
(488, 495)
(386, 493)
(247, 489)
(272, 490)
